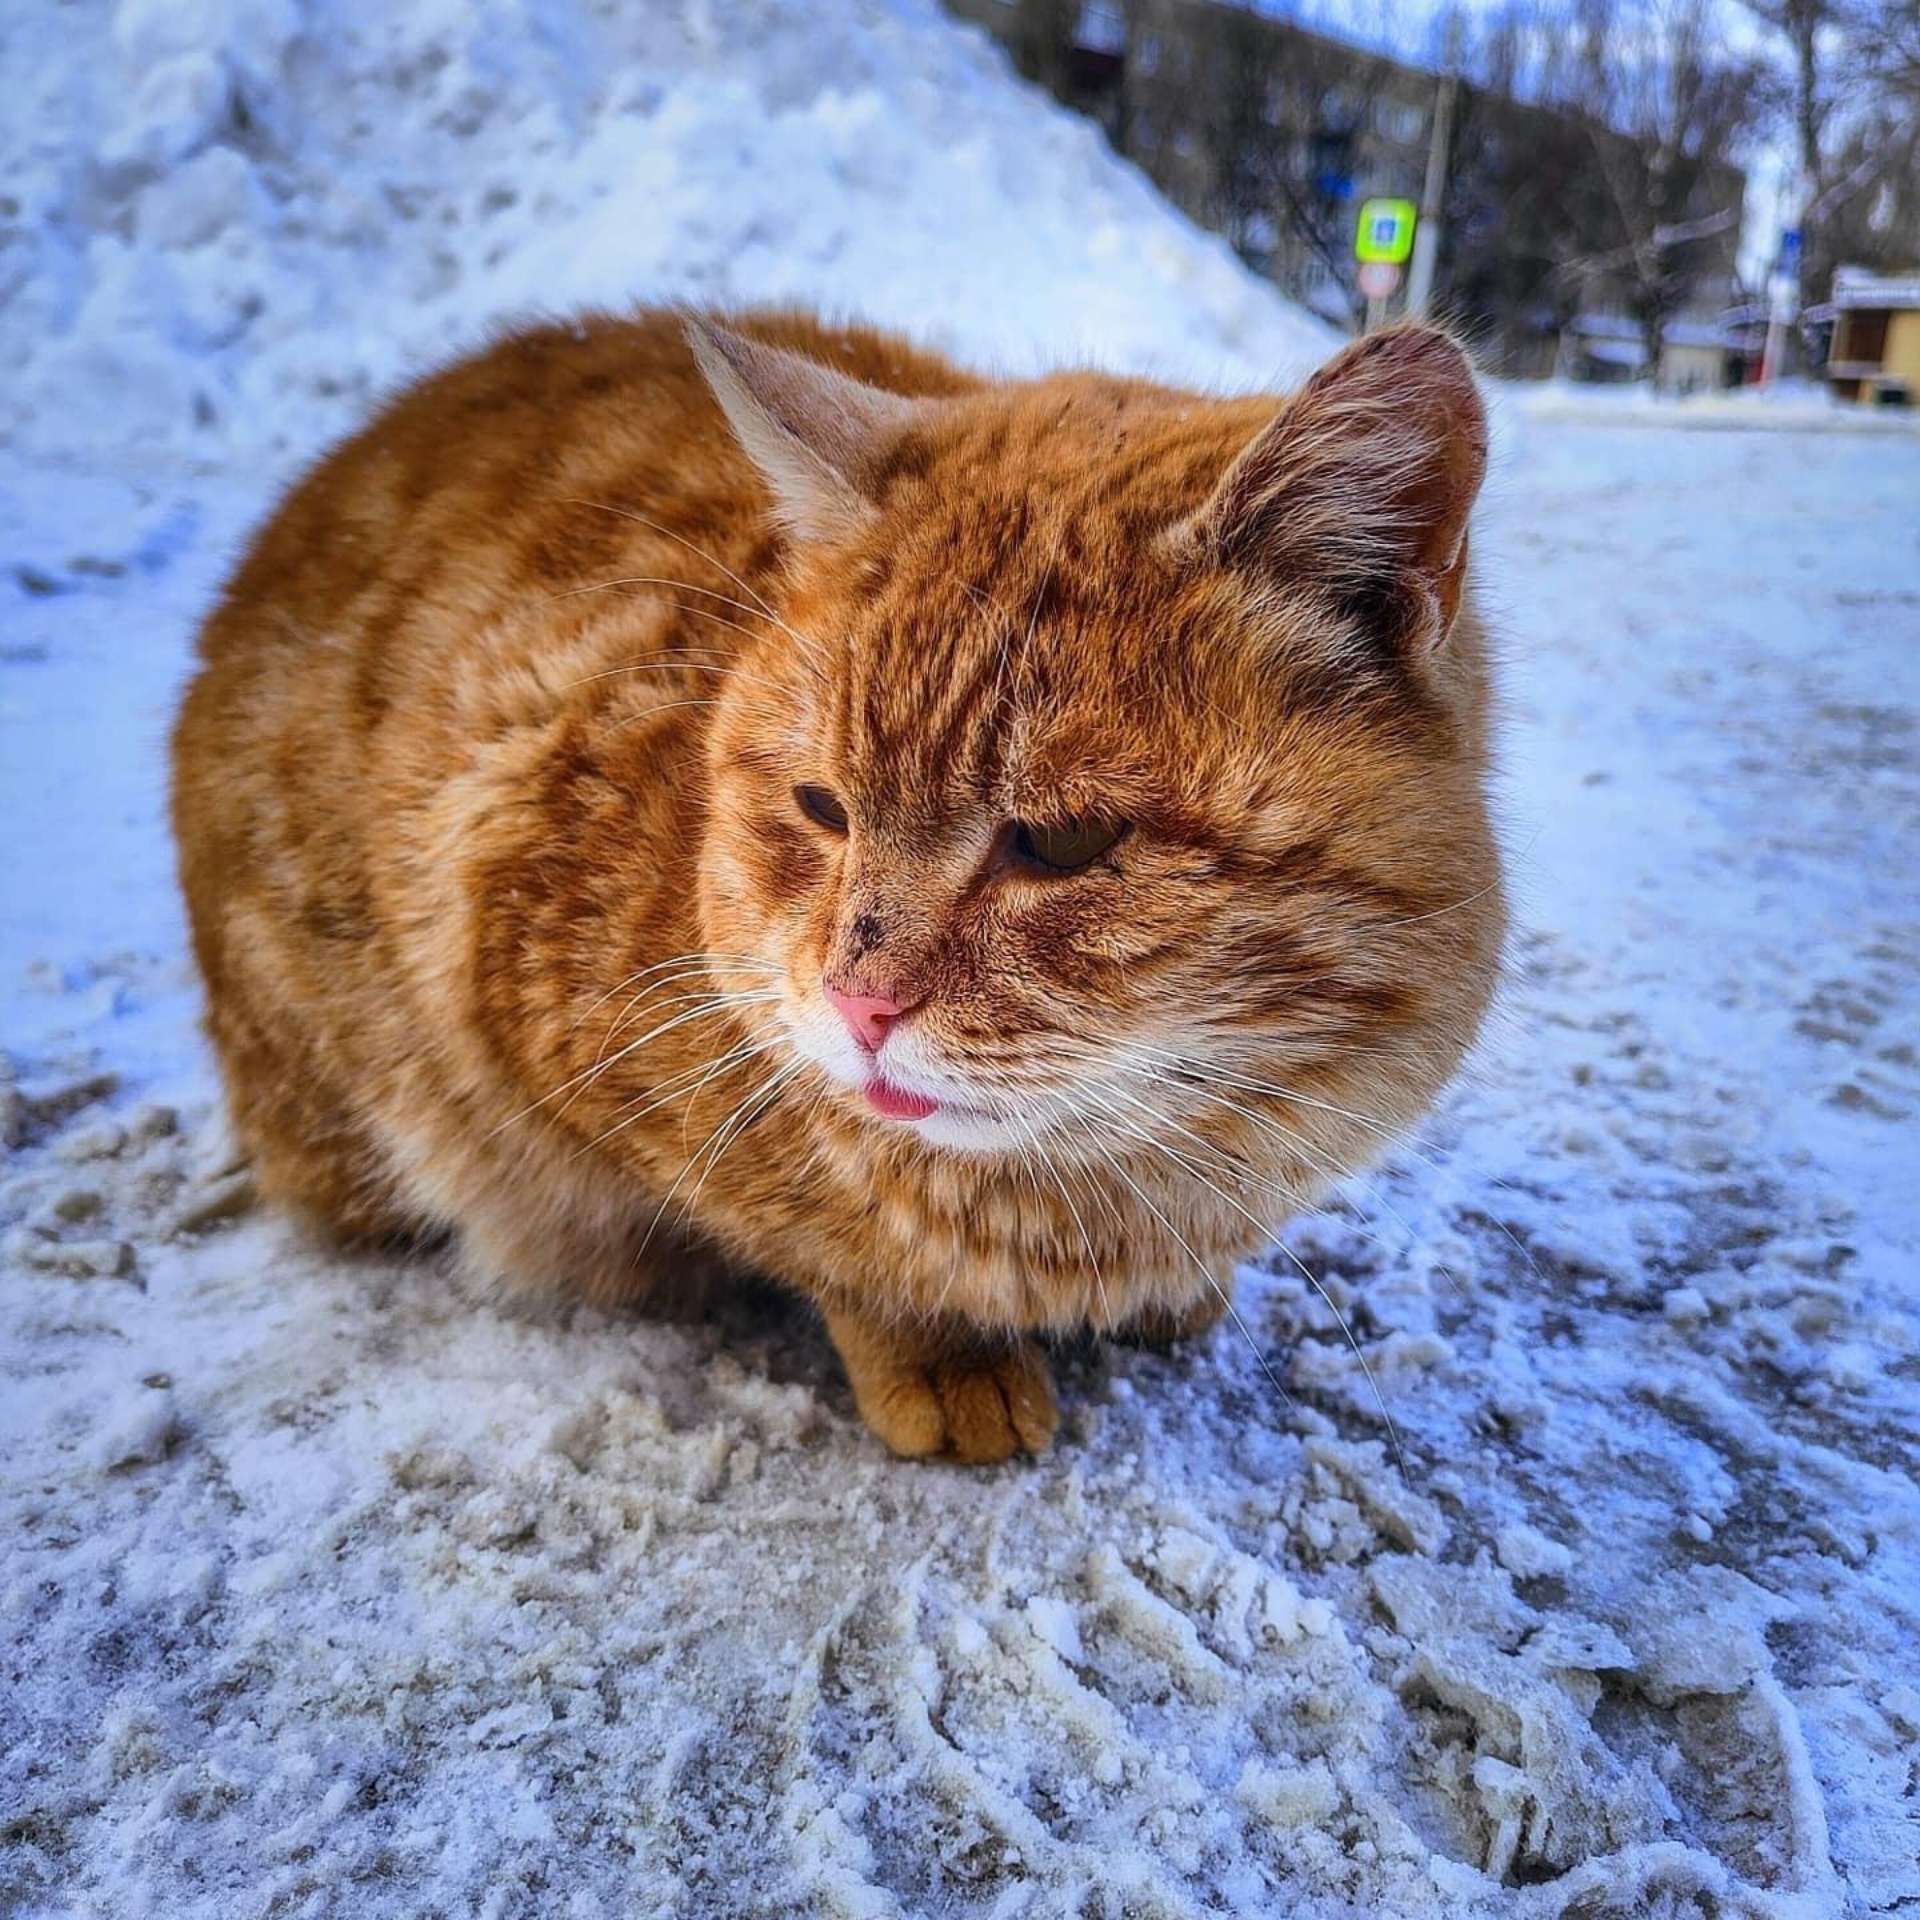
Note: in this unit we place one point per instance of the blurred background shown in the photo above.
(228, 224)
(1696, 193)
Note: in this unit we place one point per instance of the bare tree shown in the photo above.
(1868, 208)
(1665, 109)
(1595, 161)
(1514, 167)
(1801, 94)
(1240, 84)
(1848, 87)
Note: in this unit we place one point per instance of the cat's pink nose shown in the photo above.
(869, 1016)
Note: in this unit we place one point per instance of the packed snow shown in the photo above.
(1594, 1592)
(227, 225)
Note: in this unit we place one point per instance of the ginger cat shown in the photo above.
(979, 853)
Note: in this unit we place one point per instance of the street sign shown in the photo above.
(1379, 279)
(1385, 232)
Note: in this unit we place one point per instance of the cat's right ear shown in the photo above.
(1362, 487)
(821, 441)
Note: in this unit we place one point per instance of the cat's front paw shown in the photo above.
(973, 1398)
(973, 1408)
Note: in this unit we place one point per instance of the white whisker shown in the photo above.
(684, 1085)
(731, 1127)
(1266, 1229)
(710, 1005)
(1200, 1266)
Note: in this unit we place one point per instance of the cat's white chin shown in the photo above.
(970, 1131)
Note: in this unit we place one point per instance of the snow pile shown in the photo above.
(231, 223)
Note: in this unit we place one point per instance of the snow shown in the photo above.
(1795, 402)
(323, 1590)
(191, 180)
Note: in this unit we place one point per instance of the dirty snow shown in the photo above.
(322, 1593)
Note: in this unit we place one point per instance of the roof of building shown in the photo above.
(1856, 287)
(1617, 328)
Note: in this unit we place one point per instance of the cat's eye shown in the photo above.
(822, 806)
(1065, 848)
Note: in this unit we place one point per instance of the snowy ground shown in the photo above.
(323, 1594)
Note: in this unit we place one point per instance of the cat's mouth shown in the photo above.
(905, 1103)
(939, 1120)
(899, 1103)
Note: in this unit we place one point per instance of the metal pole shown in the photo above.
(1775, 349)
(1426, 235)
(1783, 290)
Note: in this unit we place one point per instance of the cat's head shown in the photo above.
(1116, 752)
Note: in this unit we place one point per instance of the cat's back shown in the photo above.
(430, 548)
(496, 520)
(478, 477)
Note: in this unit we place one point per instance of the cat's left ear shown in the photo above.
(821, 441)
(1362, 487)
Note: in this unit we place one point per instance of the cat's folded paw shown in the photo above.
(976, 1407)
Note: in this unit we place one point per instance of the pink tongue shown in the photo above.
(897, 1103)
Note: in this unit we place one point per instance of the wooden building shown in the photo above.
(1875, 351)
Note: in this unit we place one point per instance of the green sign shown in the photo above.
(1385, 232)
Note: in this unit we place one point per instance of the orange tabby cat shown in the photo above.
(980, 853)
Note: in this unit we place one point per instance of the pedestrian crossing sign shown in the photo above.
(1385, 232)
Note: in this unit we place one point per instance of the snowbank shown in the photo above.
(238, 220)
